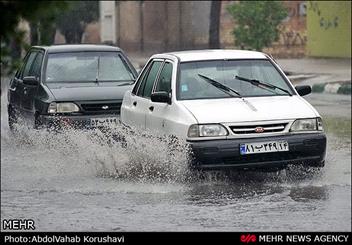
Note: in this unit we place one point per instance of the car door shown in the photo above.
(140, 97)
(15, 91)
(21, 87)
(30, 91)
(156, 118)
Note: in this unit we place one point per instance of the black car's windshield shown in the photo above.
(87, 67)
(226, 72)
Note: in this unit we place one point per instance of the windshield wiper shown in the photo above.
(258, 83)
(220, 86)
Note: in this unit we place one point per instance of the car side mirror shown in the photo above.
(31, 81)
(161, 97)
(303, 90)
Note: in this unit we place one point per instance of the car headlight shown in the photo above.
(65, 107)
(310, 124)
(207, 130)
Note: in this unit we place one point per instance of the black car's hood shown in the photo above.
(88, 91)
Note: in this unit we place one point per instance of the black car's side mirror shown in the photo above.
(161, 97)
(303, 90)
(31, 81)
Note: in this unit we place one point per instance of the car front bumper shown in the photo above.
(305, 148)
(59, 122)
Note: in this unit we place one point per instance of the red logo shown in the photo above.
(259, 129)
(248, 238)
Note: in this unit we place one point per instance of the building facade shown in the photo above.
(160, 26)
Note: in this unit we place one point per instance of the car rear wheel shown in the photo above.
(12, 118)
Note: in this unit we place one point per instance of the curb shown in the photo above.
(342, 87)
(297, 78)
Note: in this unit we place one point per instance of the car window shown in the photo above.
(141, 78)
(36, 66)
(192, 86)
(28, 65)
(20, 70)
(146, 87)
(87, 67)
(164, 81)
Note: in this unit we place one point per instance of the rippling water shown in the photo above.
(86, 181)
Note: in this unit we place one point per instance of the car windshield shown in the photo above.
(87, 67)
(192, 85)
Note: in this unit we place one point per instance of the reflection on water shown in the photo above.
(309, 193)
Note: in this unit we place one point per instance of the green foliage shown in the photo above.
(43, 28)
(12, 12)
(257, 23)
(70, 17)
(73, 22)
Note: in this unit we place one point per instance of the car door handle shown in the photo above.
(13, 89)
(135, 103)
(151, 108)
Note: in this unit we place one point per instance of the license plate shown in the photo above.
(263, 147)
(101, 122)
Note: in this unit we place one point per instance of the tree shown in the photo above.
(12, 12)
(73, 22)
(43, 29)
(214, 39)
(257, 23)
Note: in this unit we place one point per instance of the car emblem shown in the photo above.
(105, 107)
(259, 129)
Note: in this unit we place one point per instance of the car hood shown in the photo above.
(88, 91)
(250, 109)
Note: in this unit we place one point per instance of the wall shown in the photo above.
(129, 36)
(293, 32)
(292, 39)
(329, 29)
(157, 26)
(161, 26)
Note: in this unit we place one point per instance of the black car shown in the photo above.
(70, 85)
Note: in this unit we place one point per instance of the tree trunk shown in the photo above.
(73, 36)
(214, 25)
(48, 31)
(42, 33)
(33, 33)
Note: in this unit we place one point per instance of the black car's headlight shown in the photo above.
(206, 130)
(63, 107)
(309, 124)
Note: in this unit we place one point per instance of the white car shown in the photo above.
(235, 108)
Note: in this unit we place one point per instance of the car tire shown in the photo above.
(37, 123)
(320, 164)
(12, 118)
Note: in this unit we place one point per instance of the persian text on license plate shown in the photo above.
(263, 147)
(100, 122)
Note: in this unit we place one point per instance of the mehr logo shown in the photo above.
(18, 224)
(248, 238)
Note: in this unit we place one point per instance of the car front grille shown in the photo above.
(255, 129)
(102, 107)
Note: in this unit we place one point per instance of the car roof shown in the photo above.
(214, 54)
(63, 48)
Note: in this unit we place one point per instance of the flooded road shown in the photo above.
(78, 182)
